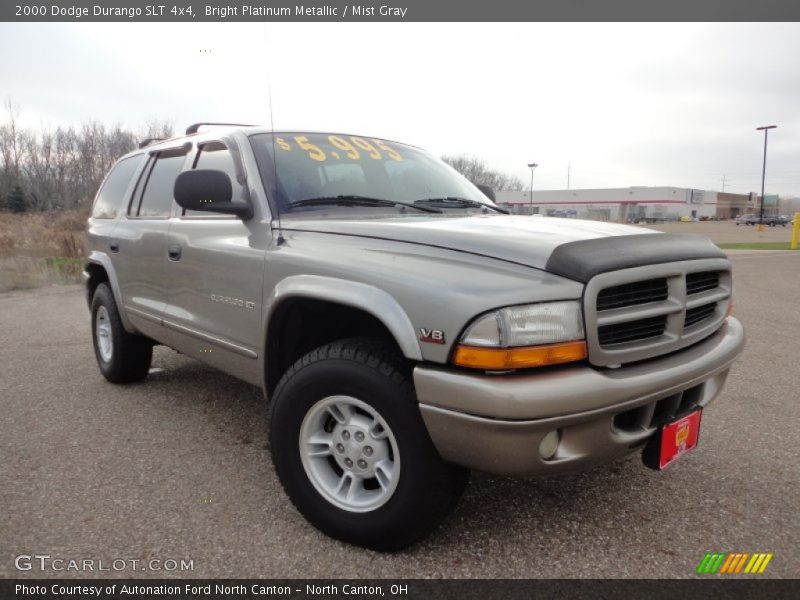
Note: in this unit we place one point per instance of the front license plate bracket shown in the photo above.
(672, 440)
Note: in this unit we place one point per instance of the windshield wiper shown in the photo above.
(353, 200)
(455, 202)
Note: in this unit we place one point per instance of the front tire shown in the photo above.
(351, 449)
(122, 357)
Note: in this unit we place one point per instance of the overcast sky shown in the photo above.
(627, 104)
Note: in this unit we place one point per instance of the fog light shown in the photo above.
(549, 445)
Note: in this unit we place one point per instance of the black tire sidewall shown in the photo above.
(412, 509)
(131, 354)
(102, 297)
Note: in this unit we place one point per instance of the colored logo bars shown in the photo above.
(734, 562)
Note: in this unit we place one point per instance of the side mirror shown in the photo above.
(487, 191)
(208, 190)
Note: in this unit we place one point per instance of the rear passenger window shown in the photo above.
(157, 196)
(111, 196)
(216, 156)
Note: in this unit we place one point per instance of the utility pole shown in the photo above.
(765, 129)
(532, 167)
(569, 167)
(723, 184)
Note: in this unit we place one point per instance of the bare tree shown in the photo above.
(62, 168)
(10, 146)
(155, 128)
(477, 171)
(37, 168)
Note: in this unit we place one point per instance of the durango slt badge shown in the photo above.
(233, 301)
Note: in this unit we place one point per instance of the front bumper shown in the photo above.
(496, 423)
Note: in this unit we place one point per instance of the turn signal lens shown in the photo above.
(729, 312)
(503, 359)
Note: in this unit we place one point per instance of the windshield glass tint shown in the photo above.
(314, 165)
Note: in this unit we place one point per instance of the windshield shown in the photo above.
(327, 173)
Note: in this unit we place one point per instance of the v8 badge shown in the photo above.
(431, 336)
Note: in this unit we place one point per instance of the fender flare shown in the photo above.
(99, 258)
(365, 297)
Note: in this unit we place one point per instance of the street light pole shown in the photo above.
(763, 174)
(532, 167)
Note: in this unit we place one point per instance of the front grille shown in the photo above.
(632, 331)
(631, 294)
(648, 311)
(701, 282)
(699, 314)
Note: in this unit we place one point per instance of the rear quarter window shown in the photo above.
(112, 195)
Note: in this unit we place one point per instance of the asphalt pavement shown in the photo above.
(728, 232)
(177, 467)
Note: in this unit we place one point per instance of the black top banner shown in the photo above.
(402, 10)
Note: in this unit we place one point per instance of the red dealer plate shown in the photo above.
(678, 438)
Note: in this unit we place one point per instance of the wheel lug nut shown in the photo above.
(367, 450)
(362, 464)
(345, 435)
(340, 448)
(359, 436)
(348, 462)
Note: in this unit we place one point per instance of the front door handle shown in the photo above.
(113, 245)
(174, 252)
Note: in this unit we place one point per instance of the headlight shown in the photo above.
(524, 336)
(530, 325)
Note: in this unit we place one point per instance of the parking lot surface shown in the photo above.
(728, 232)
(177, 467)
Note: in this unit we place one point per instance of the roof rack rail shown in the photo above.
(193, 128)
(148, 141)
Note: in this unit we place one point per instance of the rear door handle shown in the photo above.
(114, 245)
(174, 252)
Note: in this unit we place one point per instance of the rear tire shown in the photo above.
(122, 357)
(351, 449)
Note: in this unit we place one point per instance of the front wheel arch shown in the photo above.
(301, 324)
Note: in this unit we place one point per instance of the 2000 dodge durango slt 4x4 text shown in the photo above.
(403, 326)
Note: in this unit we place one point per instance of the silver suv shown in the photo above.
(404, 328)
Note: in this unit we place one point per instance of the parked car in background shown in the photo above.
(753, 219)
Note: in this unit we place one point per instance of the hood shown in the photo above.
(523, 240)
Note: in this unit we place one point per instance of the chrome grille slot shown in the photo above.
(699, 314)
(630, 294)
(632, 331)
(701, 282)
(643, 312)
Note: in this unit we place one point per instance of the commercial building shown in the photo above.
(628, 204)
